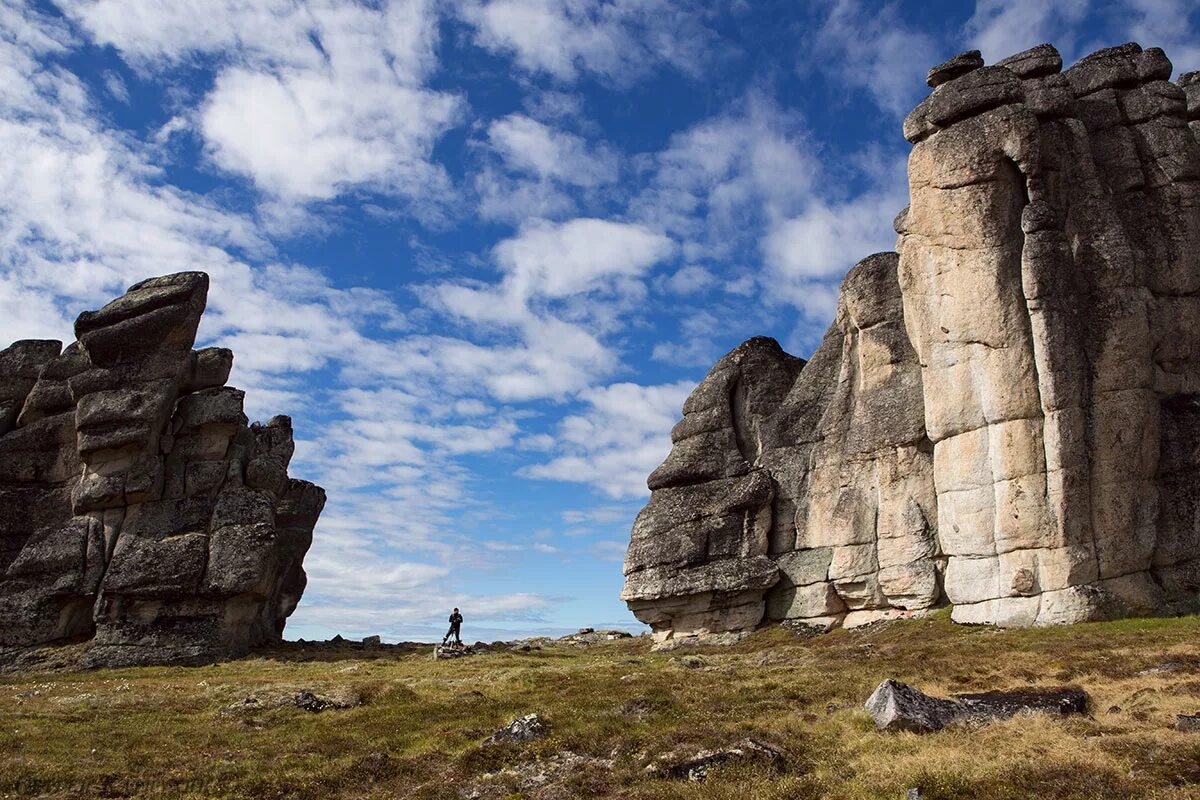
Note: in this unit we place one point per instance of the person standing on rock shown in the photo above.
(455, 625)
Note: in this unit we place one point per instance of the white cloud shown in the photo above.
(623, 435)
(1169, 24)
(306, 135)
(314, 99)
(690, 279)
(530, 146)
(578, 255)
(1001, 28)
(618, 41)
(720, 179)
(872, 49)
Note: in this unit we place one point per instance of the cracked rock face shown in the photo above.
(137, 507)
(1004, 415)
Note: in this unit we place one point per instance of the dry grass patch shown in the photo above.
(162, 733)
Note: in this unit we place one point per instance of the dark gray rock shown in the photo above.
(127, 518)
(1036, 62)
(897, 706)
(956, 67)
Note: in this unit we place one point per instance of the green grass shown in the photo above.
(160, 732)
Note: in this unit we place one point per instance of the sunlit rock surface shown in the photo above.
(1004, 415)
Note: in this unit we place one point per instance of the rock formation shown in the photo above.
(137, 508)
(1004, 416)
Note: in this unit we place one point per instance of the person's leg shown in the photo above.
(457, 637)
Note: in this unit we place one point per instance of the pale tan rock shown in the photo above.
(1005, 416)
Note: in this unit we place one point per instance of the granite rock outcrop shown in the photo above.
(138, 509)
(1004, 415)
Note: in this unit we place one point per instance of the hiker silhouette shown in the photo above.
(455, 624)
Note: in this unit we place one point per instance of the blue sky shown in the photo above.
(480, 250)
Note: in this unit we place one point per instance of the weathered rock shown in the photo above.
(695, 766)
(123, 521)
(899, 707)
(953, 68)
(1004, 416)
(521, 729)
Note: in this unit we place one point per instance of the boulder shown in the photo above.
(125, 521)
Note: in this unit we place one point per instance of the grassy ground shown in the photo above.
(161, 732)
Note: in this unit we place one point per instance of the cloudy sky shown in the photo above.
(480, 250)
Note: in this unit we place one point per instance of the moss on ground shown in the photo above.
(163, 733)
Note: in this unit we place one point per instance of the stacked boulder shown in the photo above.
(137, 507)
(1004, 415)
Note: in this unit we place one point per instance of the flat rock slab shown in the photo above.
(897, 706)
(695, 767)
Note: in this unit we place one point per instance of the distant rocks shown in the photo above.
(443, 652)
(139, 509)
(897, 706)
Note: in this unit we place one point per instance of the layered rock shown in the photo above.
(1003, 416)
(137, 507)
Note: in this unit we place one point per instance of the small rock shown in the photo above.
(582, 631)
(522, 729)
(1187, 723)
(1114, 709)
(372, 640)
(315, 703)
(915, 793)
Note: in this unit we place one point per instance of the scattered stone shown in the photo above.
(899, 707)
(528, 777)
(445, 651)
(953, 68)
(315, 703)
(303, 699)
(142, 511)
(915, 793)
(522, 729)
(372, 640)
(1114, 709)
(586, 637)
(696, 766)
